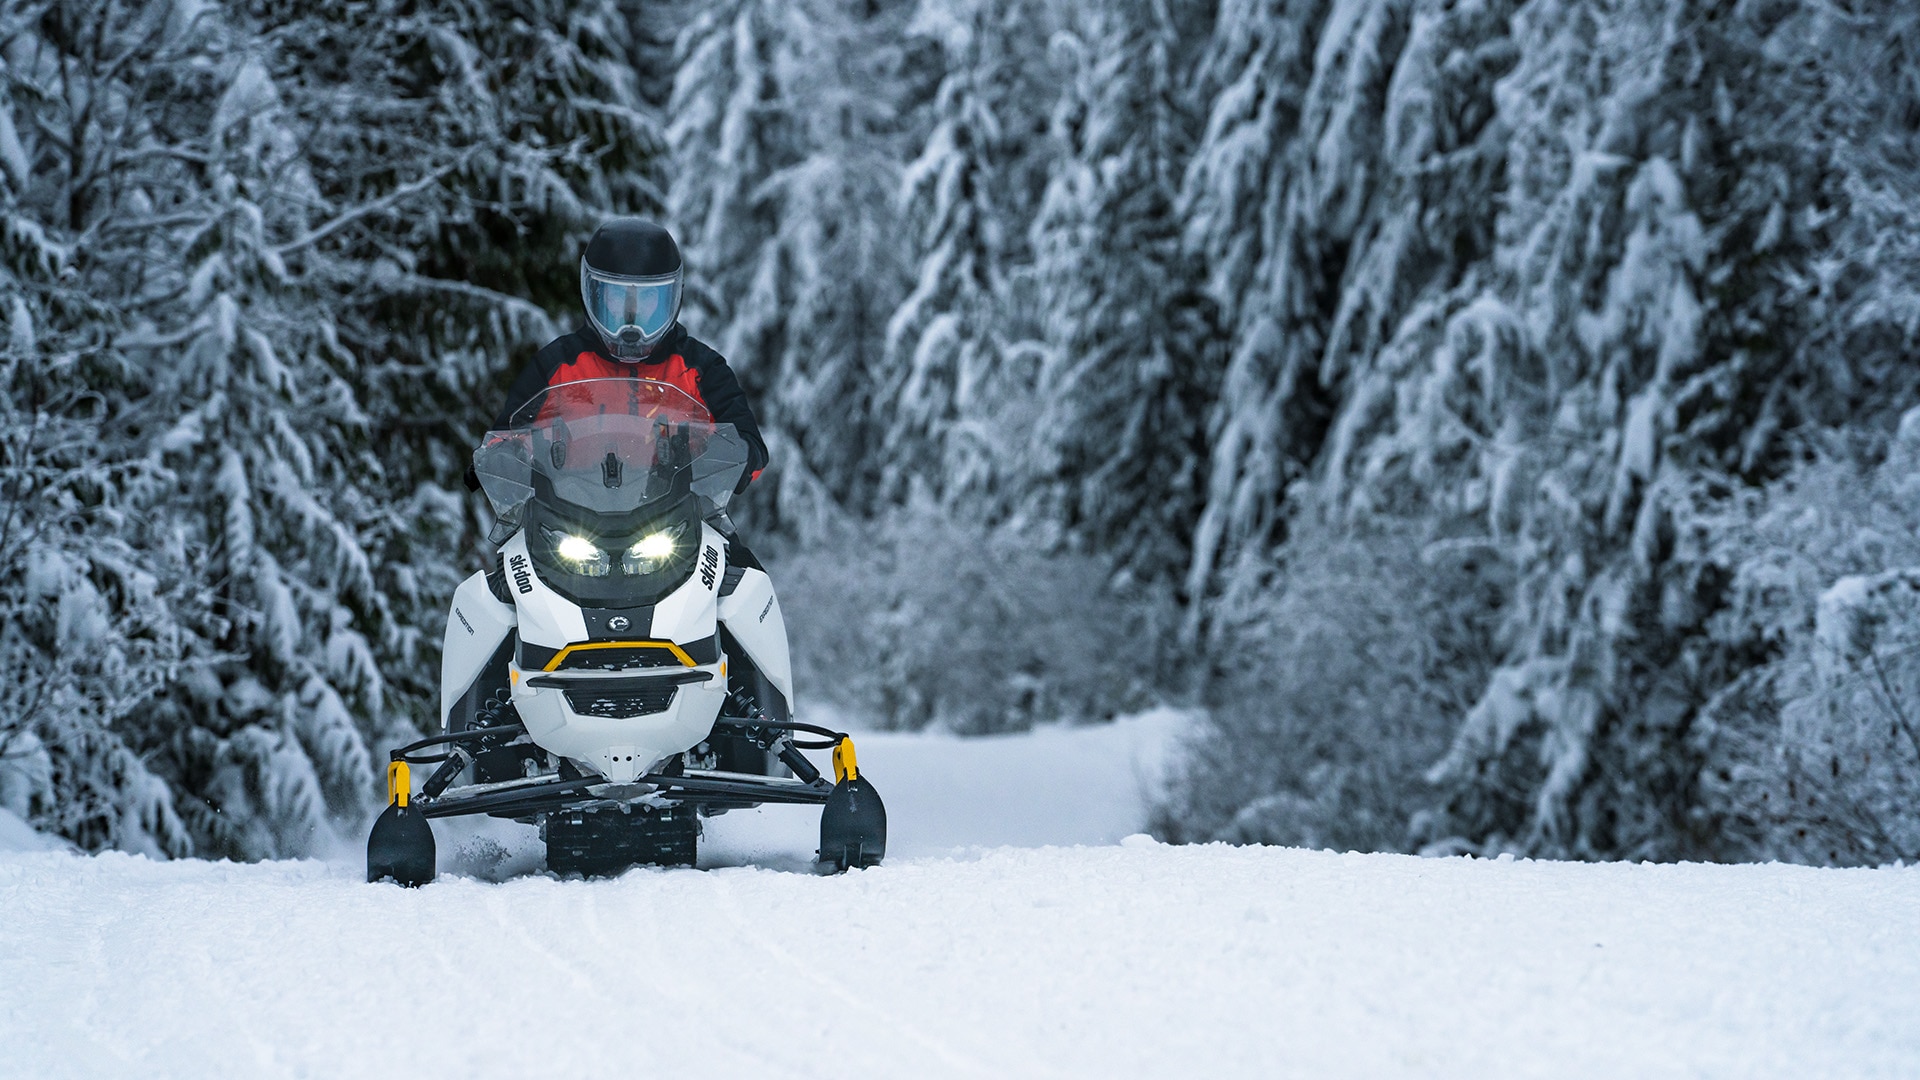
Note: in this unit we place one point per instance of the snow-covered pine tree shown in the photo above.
(1342, 178)
(1346, 182)
(155, 161)
(833, 270)
(960, 363)
(1559, 399)
(83, 619)
(1809, 750)
(1668, 318)
(62, 567)
(210, 217)
(729, 130)
(1255, 71)
(1131, 355)
(786, 141)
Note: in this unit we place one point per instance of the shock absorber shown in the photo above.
(778, 741)
(797, 761)
(457, 759)
(497, 710)
(743, 705)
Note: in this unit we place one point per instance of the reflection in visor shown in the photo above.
(617, 305)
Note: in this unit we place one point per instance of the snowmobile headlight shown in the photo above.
(580, 555)
(651, 553)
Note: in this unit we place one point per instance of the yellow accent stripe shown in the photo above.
(399, 783)
(845, 766)
(677, 651)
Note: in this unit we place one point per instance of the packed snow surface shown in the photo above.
(956, 958)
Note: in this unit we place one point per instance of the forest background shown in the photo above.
(1499, 415)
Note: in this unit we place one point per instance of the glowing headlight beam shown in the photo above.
(576, 549)
(653, 546)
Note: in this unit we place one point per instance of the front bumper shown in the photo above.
(619, 748)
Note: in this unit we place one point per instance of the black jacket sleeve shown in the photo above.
(727, 402)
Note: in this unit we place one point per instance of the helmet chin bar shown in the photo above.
(628, 345)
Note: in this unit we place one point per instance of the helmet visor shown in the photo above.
(648, 305)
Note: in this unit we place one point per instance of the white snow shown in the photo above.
(1108, 959)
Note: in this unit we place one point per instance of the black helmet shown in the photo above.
(630, 281)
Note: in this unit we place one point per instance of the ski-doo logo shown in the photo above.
(619, 623)
(522, 579)
(710, 566)
(764, 610)
(462, 616)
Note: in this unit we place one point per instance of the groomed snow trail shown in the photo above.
(1128, 959)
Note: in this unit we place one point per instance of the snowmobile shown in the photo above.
(621, 670)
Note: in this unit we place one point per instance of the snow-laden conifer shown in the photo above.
(219, 205)
(794, 247)
(960, 364)
(1130, 356)
(1559, 385)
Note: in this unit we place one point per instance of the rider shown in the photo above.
(631, 279)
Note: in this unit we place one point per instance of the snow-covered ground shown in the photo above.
(961, 957)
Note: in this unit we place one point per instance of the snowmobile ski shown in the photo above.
(400, 848)
(853, 824)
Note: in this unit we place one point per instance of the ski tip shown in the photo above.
(400, 847)
(853, 826)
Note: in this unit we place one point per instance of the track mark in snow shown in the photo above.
(513, 924)
(953, 1056)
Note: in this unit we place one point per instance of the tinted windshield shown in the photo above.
(610, 447)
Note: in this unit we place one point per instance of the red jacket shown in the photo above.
(680, 359)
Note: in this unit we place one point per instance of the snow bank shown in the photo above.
(17, 835)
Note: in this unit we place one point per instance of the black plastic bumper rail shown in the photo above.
(832, 737)
(405, 753)
(699, 789)
(532, 799)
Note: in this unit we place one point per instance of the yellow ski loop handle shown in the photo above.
(399, 783)
(845, 766)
